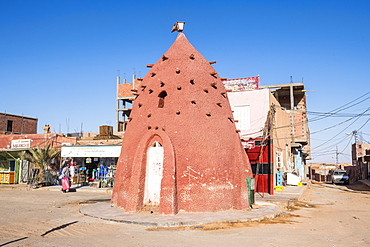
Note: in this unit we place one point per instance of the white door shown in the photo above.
(154, 174)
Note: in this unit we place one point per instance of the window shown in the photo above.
(9, 126)
(161, 96)
(242, 114)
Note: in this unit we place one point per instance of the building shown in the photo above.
(360, 159)
(15, 124)
(124, 100)
(181, 150)
(273, 126)
(265, 134)
(96, 155)
(321, 172)
(89, 150)
(292, 99)
(12, 168)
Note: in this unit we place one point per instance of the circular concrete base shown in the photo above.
(105, 211)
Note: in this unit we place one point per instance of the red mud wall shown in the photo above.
(182, 104)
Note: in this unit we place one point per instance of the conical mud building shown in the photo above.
(181, 150)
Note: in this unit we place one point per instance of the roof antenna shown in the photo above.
(291, 79)
(179, 27)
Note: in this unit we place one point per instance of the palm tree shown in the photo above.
(41, 157)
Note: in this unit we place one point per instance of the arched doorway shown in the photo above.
(154, 175)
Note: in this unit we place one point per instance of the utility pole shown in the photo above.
(292, 113)
(336, 157)
(356, 145)
(358, 164)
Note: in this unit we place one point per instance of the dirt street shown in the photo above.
(329, 215)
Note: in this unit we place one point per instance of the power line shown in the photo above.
(358, 115)
(343, 107)
(350, 140)
(333, 115)
(364, 124)
(337, 134)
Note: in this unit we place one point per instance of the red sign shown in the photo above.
(242, 84)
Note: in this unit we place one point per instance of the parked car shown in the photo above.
(339, 177)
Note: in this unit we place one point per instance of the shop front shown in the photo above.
(92, 165)
(13, 170)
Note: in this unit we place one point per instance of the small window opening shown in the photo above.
(9, 126)
(214, 86)
(208, 114)
(150, 91)
(231, 120)
(164, 58)
(192, 82)
(192, 57)
(177, 71)
(178, 112)
(219, 104)
(178, 88)
(156, 144)
(162, 83)
(149, 115)
(143, 88)
(161, 96)
(205, 90)
(153, 74)
(214, 75)
(223, 95)
(149, 127)
(140, 105)
(193, 102)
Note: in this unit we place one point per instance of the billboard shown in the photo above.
(242, 84)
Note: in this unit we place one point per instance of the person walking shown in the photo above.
(66, 185)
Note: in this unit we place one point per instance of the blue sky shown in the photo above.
(59, 59)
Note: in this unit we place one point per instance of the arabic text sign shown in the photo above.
(21, 143)
(242, 84)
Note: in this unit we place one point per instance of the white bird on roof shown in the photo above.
(179, 26)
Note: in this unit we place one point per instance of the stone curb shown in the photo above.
(105, 211)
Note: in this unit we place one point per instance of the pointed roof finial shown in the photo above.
(179, 26)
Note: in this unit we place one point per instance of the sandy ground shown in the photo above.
(329, 215)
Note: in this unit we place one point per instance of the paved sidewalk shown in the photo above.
(266, 207)
(78, 188)
(74, 187)
(365, 182)
(288, 197)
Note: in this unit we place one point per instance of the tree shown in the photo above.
(41, 157)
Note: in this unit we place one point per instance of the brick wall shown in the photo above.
(124, 90)
(17, 124)
(54, 139)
